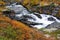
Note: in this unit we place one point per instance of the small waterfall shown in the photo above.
(22, 14)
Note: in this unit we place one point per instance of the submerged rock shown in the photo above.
(51, 19)
(39, 16)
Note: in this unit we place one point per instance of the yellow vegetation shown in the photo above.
(2, 3)
(25, 2)
(45, 3)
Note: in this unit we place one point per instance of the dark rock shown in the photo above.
(51, 19)
(27, 17)
(36, 23)
(58, 18)
(10, 14)
(6, 13)
(38, 15)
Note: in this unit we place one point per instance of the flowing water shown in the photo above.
(23, 13)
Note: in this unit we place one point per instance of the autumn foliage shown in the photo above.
(15, 30)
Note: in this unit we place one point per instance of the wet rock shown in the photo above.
(36, 23)
(51, 19)
(38, 16)
(25, 19)
(54, 25)
(28, 17)
(58, 18)
(31, 23)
